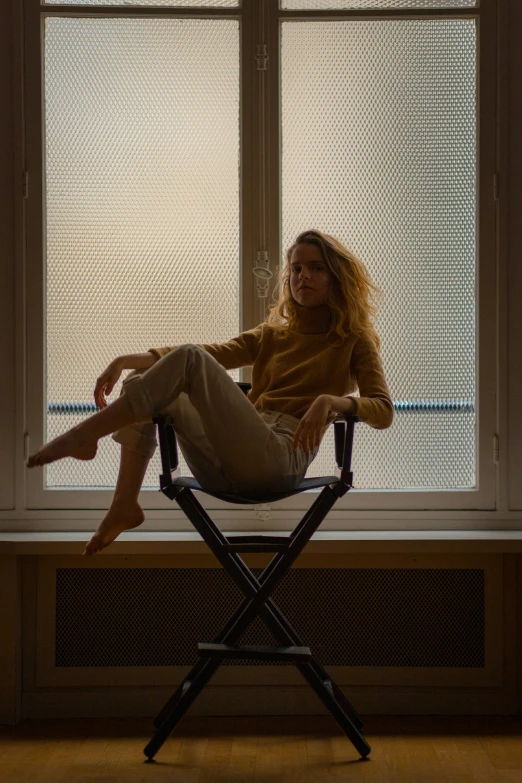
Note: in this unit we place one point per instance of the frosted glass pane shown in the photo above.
(145, 3)
(142, 205)
(379, 149)
(314, 5)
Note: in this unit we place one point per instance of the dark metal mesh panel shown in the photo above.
(348, 616)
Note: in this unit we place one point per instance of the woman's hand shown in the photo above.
(107, 381)
(311, 426)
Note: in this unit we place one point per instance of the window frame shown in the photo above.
(260, 215)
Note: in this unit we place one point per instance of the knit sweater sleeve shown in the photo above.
(241, 351)
(374, 406)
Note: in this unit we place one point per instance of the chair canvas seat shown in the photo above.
(257, 497)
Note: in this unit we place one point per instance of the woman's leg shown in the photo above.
(81, 442)
(165, 381)
(125, 511)
(249, 452)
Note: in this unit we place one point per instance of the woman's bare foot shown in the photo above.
(120, 517)
(71, 444)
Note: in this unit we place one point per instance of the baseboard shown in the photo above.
(252, 700)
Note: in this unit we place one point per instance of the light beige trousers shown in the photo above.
(227, 444)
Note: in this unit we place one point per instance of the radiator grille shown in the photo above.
(348, 616)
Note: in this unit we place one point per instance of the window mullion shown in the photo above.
(260, 158)
(273, 143)
(249, 173)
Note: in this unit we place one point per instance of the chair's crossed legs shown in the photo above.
(257, 601)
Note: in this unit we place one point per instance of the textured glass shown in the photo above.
(154, 3)
(142, 205)
(384, 5)
(379, 150)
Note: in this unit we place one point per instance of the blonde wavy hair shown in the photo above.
(354, 300)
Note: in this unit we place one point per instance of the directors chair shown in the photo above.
(257, 591)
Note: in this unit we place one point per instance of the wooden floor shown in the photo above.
(428, 749)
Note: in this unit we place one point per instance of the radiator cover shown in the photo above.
(394, 617)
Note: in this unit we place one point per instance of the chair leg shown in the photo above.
(335, 701)
(257, 601)
(176, 707)
(349, 720)
(345, 704)
(329, 693)
(274, 619)
(193, 676)
(316, 676)
(326, 694)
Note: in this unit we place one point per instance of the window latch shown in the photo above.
(262, 273)
(261, 57)
(495, 449)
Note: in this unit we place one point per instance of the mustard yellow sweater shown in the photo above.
(290, 369)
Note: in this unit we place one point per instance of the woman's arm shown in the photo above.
(374, 406)
(311, 427)
(110, 377)
(340, 404)
(241, 351)
(137, 361)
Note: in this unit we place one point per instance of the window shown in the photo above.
(181, 149)
(142, 195)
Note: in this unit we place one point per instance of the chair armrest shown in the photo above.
(343, 432)
(168, 448)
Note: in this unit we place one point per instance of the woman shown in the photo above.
(316, 346)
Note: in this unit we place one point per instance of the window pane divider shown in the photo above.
(369, 13)
(126, 10)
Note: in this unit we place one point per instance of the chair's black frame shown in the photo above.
(257, 590)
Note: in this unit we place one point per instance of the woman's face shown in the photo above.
(310, 278)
